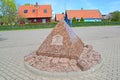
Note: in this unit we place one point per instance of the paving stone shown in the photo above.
(13, 50)
(2, 78)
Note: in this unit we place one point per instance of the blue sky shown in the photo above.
(59, 6)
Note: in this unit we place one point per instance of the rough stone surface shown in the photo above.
(55, 64)
(88, 58)
(61, 42)
(61, 46)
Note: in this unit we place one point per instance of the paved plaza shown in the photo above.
(14, 45)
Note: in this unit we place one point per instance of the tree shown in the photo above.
(27, 4)
(82, 19)
(115, 16)
(8, 11)
(74, 20)
(22, 20)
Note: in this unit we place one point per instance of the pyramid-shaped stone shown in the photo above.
(62, 51)
(61, 42)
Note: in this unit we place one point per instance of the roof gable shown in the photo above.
(59, 17)
(83, 13)
(35, 12)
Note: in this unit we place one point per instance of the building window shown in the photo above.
(25, 11)
(33, 10)
(45, 11)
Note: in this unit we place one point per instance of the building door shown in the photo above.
(43, 20)
(35, 20)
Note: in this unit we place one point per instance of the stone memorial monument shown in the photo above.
(63, 51)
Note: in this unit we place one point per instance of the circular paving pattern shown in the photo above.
(19, 43)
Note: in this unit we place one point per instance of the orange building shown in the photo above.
(88, 15)
(58, 17)
(36, 13)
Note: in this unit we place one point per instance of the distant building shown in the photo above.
(104, 16)
(108, 16)
(88, 15)
(36, 13)
(58, 17)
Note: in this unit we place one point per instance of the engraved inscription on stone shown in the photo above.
(57, 40)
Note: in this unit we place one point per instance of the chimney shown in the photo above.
(36, 5)
(81, 8)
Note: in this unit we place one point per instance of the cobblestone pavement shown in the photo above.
(14, 45)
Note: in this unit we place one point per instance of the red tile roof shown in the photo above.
(83, 13)
(59, 17)
(37, 13)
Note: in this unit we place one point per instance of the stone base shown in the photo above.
(88, 58)
(52, 64)
(62, 74)
(86, 61)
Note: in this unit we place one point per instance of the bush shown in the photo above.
(27, 26)
(74, 20)
(82, 19)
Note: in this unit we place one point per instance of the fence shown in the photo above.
(51, 25)
(27, 26)
(94, 24)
